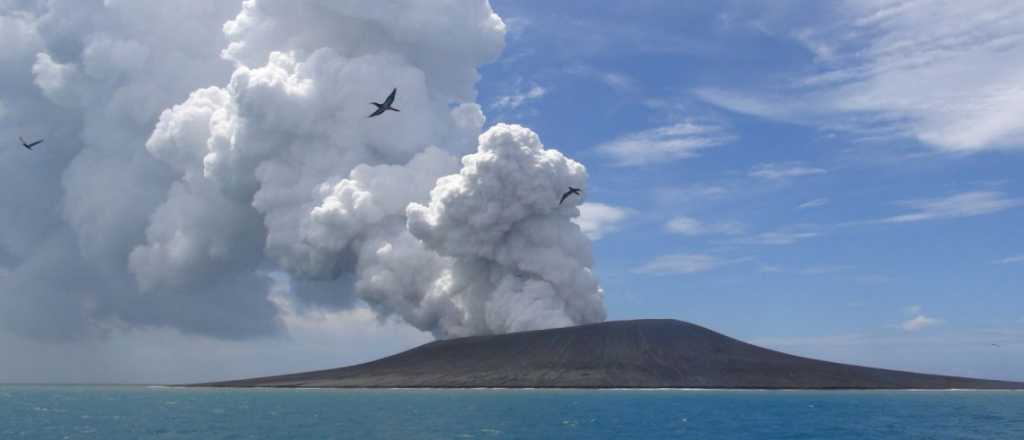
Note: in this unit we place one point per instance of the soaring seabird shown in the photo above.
(29, 145)
(383, 107)
(569, 192)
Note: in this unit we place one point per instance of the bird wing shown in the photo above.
(35, 143)
(564, 196)
(377, 112)
(391, 98)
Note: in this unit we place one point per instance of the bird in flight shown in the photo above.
(29, 145)
(386, 105)
(571, 191)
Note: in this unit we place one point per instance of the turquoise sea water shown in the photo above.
(92, 412)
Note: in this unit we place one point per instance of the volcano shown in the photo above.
(652, 353)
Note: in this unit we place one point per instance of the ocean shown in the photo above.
(137, 412)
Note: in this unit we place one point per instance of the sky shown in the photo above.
(837, 180)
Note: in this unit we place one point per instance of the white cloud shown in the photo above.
(779, 238)
(514, 101)
(825, 269)
(616, 80)
(693, 227)
(776, 108)
(598, 219)
(672, 142)
(691, 193)
(822, 50)
(873, 279)
(781, 171)
(813, 203)
(516, 27)
(813, 270)
(676, 264)
(946, 74)
(967, 204)
(1011, 260)
(918, 321)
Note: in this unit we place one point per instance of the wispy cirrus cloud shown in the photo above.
(813, 270)
(786, 170)
(598, 219)
(944, 74)
(849, 271)
(691, 193)
(682, 264)
(692, 227)
(965, 204)
(825, 269)
(677, 141)
(755, 104)
(618, 81)
(781, 237)
(816, 203)
(519, 98)
(1011, 260)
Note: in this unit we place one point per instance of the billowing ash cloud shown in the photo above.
(519, 261)
(92, 77)
(196, 148)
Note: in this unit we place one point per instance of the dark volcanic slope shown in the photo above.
(620, 354)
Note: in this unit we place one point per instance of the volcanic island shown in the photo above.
(648, 353)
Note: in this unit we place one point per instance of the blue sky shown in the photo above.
(833, 179)
(837, 180)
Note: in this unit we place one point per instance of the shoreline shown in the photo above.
(581, 388)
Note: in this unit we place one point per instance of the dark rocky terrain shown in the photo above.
(618, 354)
